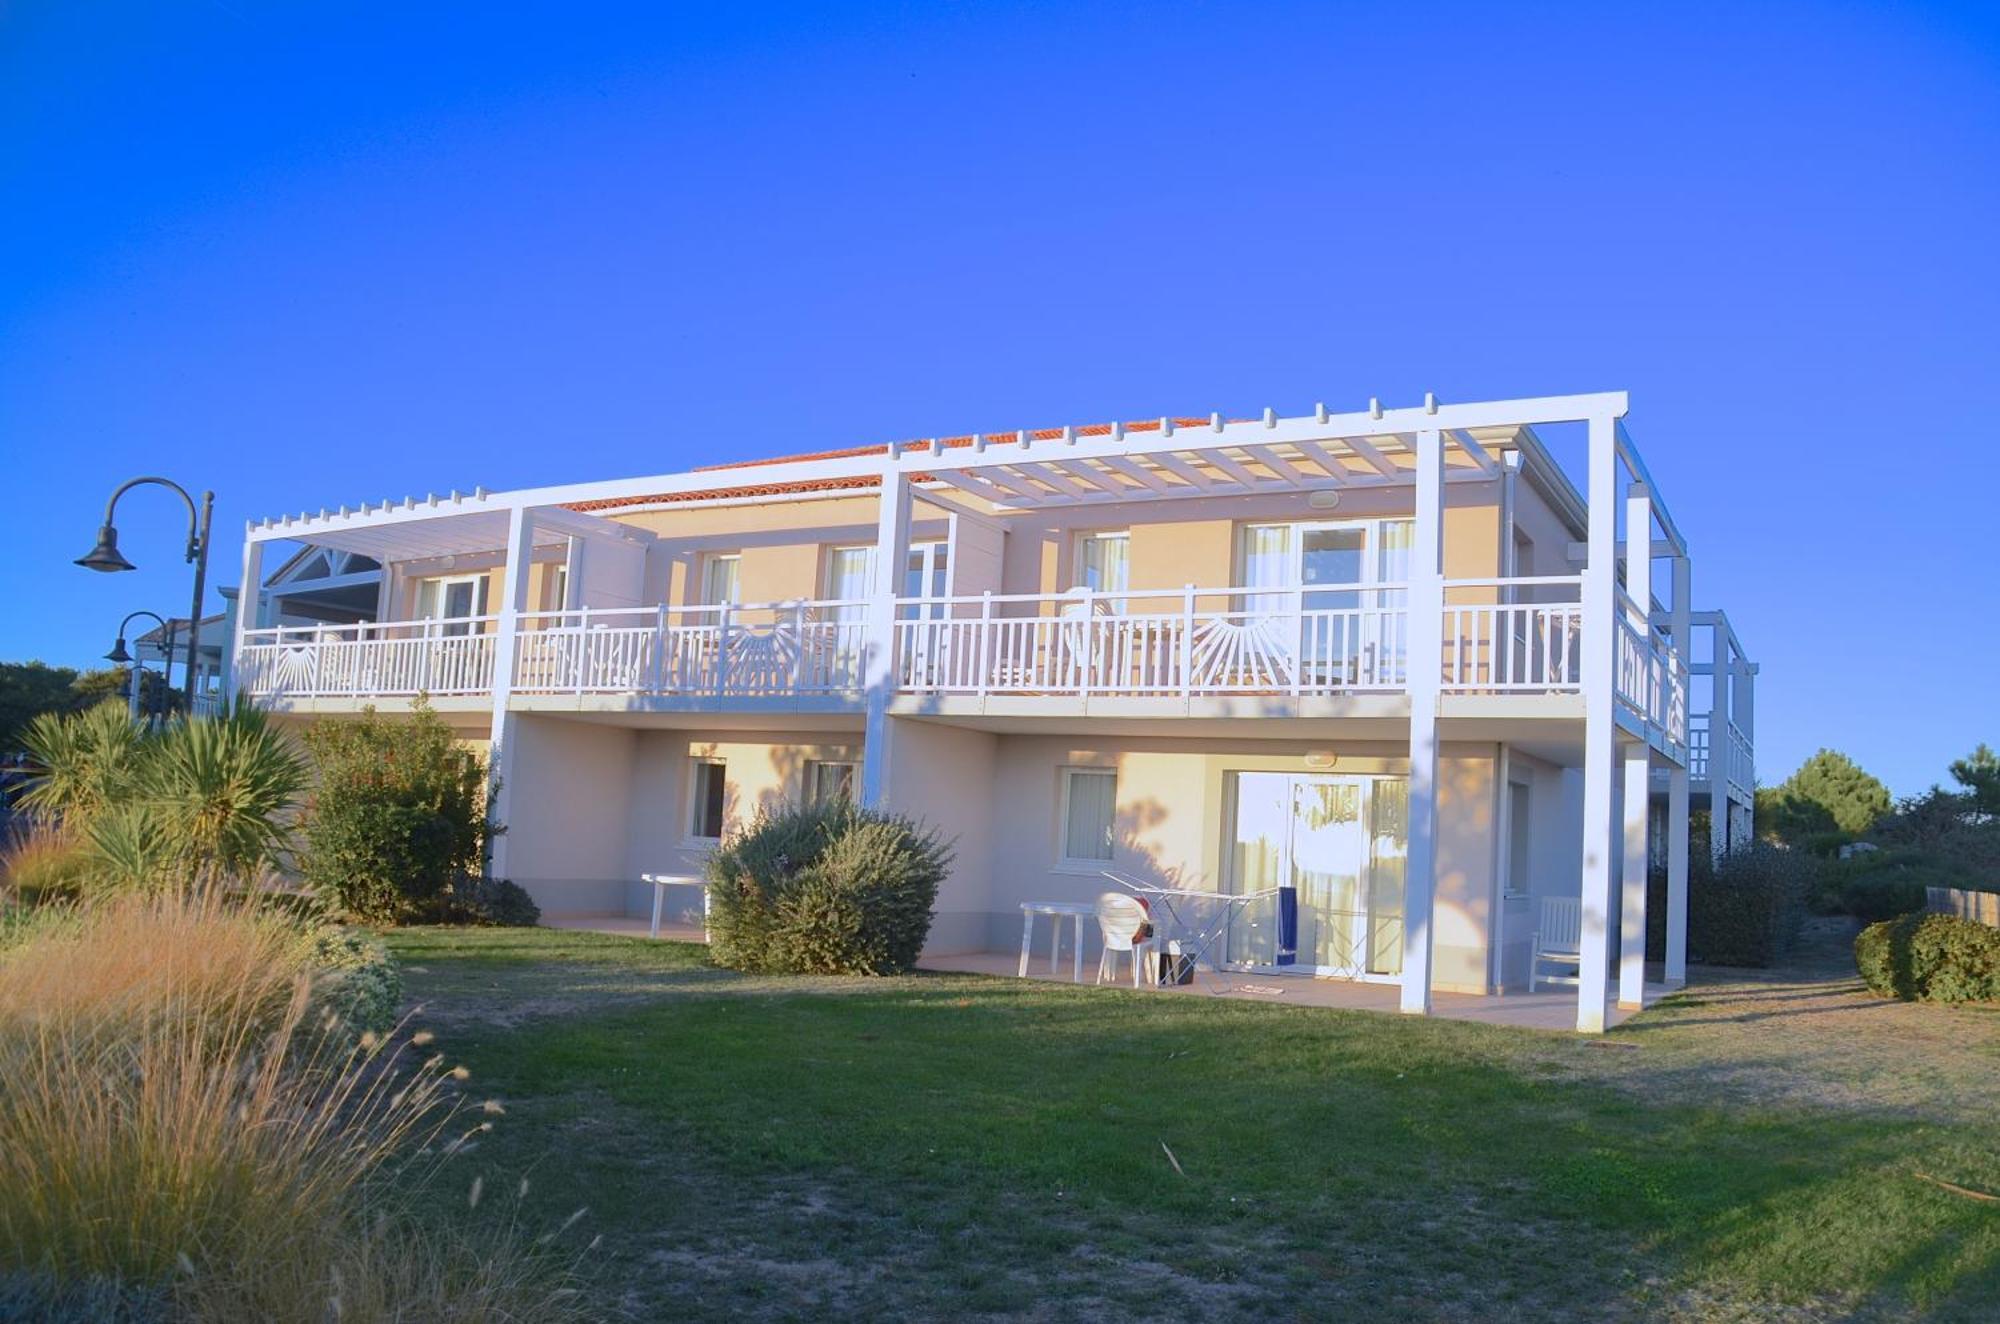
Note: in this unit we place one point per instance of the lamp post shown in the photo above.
(120, 657)
(107, 558)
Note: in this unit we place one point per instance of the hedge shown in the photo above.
(1930, 958)
(1745, 911)
(832, 889)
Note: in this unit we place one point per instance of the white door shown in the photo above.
(926, 574)
(1333, 846)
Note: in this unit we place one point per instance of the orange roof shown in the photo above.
(861, 482)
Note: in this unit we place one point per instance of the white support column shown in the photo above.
(500, 752)
(892, 550)
(1638, 768)
(1677, 807)
(1599, 725)
(1720, 748)
(1632, 877)
(1426, 635)
(249, 597)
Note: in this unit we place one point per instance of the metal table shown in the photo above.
(1197, 936)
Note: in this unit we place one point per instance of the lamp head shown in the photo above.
(118, 653)
(106, 556)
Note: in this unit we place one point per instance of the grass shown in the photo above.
(186, 1132)
(957, 1145)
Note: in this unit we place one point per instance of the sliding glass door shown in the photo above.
(1338, 573)
(1333, 847)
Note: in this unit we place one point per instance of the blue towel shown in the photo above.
(1288, 926)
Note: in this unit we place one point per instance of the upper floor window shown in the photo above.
(452, 600)
(1331, 560)
(720, 574)
(1104, 562)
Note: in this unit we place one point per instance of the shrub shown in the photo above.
(499, 902)
(1930, 958)
(1745, 911)
(399, 816)
(358, 980)
(832, 889)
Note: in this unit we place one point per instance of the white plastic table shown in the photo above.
(1059, 911)
(661, 882)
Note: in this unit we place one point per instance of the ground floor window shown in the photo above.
(710, 789)
(1332, 849)
(1089, 800)
(827, 782)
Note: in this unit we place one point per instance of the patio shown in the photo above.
(1550, 1009)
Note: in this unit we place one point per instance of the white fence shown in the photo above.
(1498, 636)
(394, 658)
(755, 650)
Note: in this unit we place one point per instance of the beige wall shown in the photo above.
(765, 771)
(784, 545)
(942, 776)
(568, 807)
(595, 806)
(1170, 824)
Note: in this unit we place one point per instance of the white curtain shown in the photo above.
(1092, 803)
(847, 580)
(719, 580)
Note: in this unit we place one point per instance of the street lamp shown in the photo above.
(120, 657)
(107, 558)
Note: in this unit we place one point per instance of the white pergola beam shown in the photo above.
(1472, 447)
(1279, 466)
(1374, 457)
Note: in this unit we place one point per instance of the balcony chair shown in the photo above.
(1558, 940)
(1126, 925)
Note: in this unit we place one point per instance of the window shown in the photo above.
(558, 587)
(1089, 799)
(719, 574)
(452, 600)
(1520, 814)
(1104, 563)
(827, 782)
(849, 571)
(710, 794)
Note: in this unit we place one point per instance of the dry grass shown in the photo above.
(177, 1111)
(40, 864)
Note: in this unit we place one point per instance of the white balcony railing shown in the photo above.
(1161, 642)
(386, 659)
(760, 650)
(1183, 642)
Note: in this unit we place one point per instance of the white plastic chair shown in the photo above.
(1558, 940)
(1126, 926)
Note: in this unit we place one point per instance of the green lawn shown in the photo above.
(957, 1146)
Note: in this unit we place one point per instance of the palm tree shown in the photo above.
(222, 791)
(86, 762)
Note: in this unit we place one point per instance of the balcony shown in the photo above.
(1503, 636)
(1738, 768)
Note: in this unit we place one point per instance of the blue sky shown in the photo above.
(306, 254)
